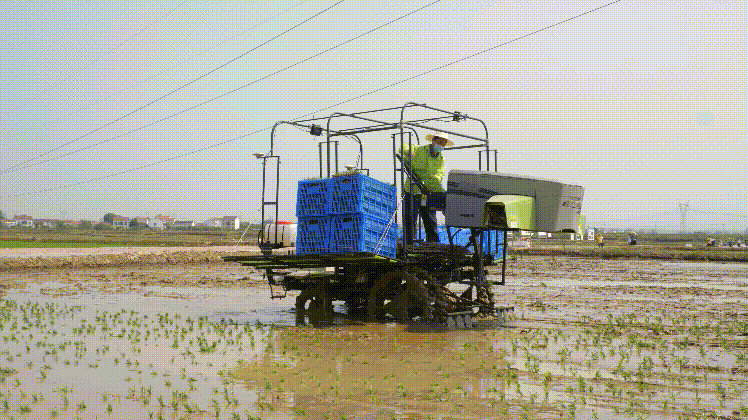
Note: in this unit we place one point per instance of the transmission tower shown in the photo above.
(683, 214)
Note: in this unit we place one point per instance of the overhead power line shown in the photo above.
(97, 59)
(463, 58)
(18, 166)
(151, 77)
(319, 110)
(88, 181)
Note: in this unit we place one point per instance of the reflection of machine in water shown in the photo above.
(407, 281)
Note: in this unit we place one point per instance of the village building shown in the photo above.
(121, 222)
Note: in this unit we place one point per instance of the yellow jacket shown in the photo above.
(428, 169)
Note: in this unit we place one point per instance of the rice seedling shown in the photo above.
(191, 408)
(216, 407)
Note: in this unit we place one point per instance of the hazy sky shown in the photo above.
(641, 103)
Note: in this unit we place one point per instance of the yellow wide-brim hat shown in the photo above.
(445, 136)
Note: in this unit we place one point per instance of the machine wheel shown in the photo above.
(437, 293)
(356, 303)
(319, 310)
(399, 294)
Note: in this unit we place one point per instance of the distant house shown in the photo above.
(183, 223)
(214, 222)
(49, 223)
(53, 223)
(142, 221)
(24, 220)
(121, 222)
(167, 221)
(9, 223)
(159, 222)
(230, 222)
(155, 223)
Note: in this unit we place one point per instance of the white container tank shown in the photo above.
(286, 234)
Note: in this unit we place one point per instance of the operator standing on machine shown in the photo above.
(427, 165)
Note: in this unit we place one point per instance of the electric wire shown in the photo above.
(462, 59)
(139, 167)
(18, 167)
(314, 112)
(151, 77)
(116, 47)
(216, 144)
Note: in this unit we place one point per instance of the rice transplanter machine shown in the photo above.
(347, 245)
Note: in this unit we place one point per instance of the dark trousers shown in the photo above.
(411, 209)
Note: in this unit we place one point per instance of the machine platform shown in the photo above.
(282, 261)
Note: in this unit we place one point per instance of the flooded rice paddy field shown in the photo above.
(588, 339)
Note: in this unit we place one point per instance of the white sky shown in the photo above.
(643, 104)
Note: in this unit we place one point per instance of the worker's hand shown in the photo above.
(412, 153)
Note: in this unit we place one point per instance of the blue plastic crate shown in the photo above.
(356, 232)
(493, 243)
(313, 235)
(362, 194)
(313, 198)
(459, 237)
(491, 240)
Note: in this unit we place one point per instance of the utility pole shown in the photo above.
(683, 214)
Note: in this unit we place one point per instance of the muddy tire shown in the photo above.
(440, 304)
(356, 304)
(319, 308)
(388, 288)
(399, 294)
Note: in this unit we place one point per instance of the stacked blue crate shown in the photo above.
(358, 232)
(346, 214)
(313, 235)
(312, 209)
(312, 198)
(361, 209)
(362, 194)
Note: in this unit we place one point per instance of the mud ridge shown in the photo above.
(643, 252)
(111, 260)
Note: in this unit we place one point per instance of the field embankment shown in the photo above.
(638, 252)
(55, 258)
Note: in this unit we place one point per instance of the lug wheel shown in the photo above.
(315, 304)
(398, 294)
(355, 304)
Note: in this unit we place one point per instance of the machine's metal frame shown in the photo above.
(348, 269)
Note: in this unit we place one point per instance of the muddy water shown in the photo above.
(589, 339)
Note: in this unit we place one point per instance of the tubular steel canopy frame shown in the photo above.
(393, 119)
